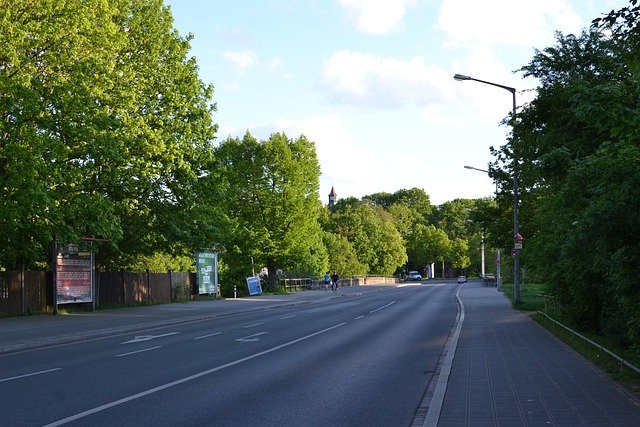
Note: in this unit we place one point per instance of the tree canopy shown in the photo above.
(105, 128)
(579, 148)
(270, 191)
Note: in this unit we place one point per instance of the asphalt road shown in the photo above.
(364, 360)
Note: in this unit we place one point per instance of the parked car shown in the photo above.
(462, 279)
(414, 275)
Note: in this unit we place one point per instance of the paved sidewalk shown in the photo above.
(509, 371)
(31, 332)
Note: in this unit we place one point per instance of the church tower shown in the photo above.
(332, 197)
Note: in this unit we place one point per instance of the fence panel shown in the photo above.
(160, 288)
(110, 287)
(135, 287)
(33, 283)
(35, 289)
(10, 292)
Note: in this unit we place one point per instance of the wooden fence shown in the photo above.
(32, 291)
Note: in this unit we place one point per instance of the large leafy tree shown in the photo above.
(408, 208)
(342, 256)
(105, 128)
(578, 142)
(427, 245)
(372, 232)
(453, 217)
(271, 196)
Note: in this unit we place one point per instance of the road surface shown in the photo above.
(359, 360)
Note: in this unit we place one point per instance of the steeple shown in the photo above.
(332, 197)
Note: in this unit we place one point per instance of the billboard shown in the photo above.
(74, 275)
(207, 272)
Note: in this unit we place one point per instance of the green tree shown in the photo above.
(428, 245)
(342, 256)
(415, 199)
(271, 196)
(371, 231)
(578, 143)
(459, 253)
(105, 128)
(453, 217)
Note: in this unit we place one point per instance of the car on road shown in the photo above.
(414, 275)
(462, 279)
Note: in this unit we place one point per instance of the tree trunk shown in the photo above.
(272, 278)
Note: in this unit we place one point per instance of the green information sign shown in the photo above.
(207, 272)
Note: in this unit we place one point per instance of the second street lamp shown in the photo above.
(516, 196)
(485, 171)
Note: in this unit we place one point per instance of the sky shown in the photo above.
(370, 82)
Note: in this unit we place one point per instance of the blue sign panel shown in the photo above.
(254, 285)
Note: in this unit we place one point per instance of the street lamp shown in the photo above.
(485, 171)
(476, 169)
(482, 247)
(516, 196)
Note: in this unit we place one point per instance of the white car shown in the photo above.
(414, 275)
(462, 279)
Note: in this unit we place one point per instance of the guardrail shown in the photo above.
(300, 284)
(595, 344)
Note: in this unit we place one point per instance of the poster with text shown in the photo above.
(74, 273)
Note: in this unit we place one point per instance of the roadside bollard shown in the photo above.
(235, 295)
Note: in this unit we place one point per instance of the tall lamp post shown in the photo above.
(482, 242)
(482, 248)
(516, 196)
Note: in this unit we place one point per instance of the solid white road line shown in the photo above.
(138, 351)
(28, 375)
(380, 308)
(187, 379)
(208, 335)
(254, 325)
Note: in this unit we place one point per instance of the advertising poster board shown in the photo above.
(207, 272)
(74, 275)
(254, 285)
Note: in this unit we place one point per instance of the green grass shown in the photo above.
(532, 299)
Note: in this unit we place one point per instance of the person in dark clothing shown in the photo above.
(334, 281)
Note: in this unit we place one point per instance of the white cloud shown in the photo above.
(377, 16)
(275, 63)
(369, 81)
(343, 164)
(507, 22)
(231, 86)
(241, 60)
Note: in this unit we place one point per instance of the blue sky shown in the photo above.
(371, 81)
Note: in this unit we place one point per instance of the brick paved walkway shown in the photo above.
(508, 370)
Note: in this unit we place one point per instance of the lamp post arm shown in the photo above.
(509, 88)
